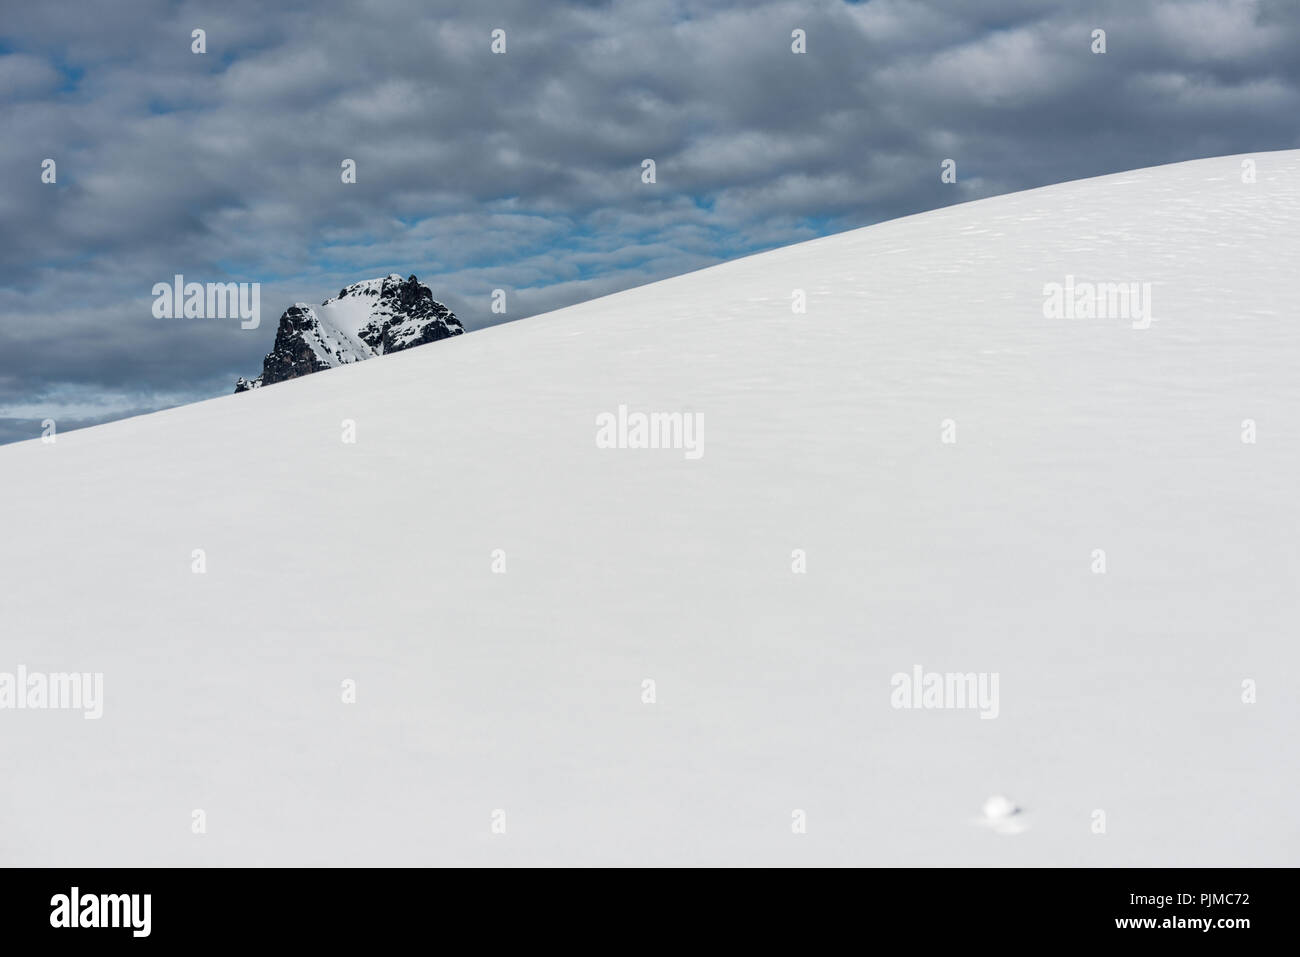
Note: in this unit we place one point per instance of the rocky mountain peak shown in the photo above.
(366, 319)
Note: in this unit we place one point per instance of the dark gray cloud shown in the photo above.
(522, 171)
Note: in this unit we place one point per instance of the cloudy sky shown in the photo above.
(522, 171)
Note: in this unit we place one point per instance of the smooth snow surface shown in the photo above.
(351, 313)
(522, 692)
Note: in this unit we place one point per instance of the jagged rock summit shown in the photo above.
(367, 319)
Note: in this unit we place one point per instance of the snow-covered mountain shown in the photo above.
(351, 624)
(367, 319)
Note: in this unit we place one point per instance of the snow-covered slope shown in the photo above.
(366, 319)
(523, 691)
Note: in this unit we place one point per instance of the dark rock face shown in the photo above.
(405, 314)
(292, 354)
(367, 319)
